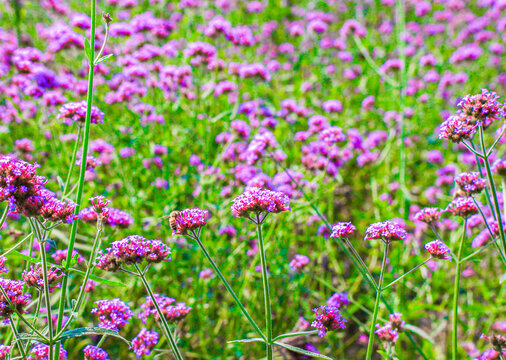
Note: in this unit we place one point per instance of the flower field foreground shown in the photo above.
(225, 179)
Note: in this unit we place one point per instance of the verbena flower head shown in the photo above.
(338, 300)
(499, 167)
(4, 351)
(133, 249)
(14, 291)
(482, 108)
(438, 250)
(172, 311)
(429, 215)
(34, 277)
(3, 268)
(396, 322)
(56, 210)
(95, 353)
(60, 255)
(113, 314)
(99, 203)
(343, 230)
(189, 220)
(386, 231)
(112, 217)
(258, 201)
(386, 334)
(144, 343)
(470, 183)
(76, 112)
(328, 318)
(456, 129)
(41, 352)
(299, 262)
(462, 206)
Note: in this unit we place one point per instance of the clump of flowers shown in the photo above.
(328, 318)
(61, 255)
(113, 314)
(3, 268)
(429, 215)
(95, 353)
(133, 249)
(76, 112)
(41, 352)
(172, 312)
(188, 220)
(343, 230)
(456, 129)
(56, 210)
(499, 167)
(438, 250)
(258, 201)
(470, 183)
(386, 334)
(299, 262)
(338, 300)
(481, 108)
(111, 216)
(386, 231)
(16, 300)
(144, 343)
(34, 277)
(4, 351)
(462, 206)
(497, 341)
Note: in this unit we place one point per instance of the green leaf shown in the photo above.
(25, 257)
(85, 331)
(420, 332)
(302, 351)
(104, 58)
(245, 340)
(301, 333)
(87, 47)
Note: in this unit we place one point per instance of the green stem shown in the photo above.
(73, 161)
(47, 296)
(407, 273)
(267, 294)
(80, 188)
(370, 345)
(4, 215)
(229, 289)
(18, 341)
(456, 288)
(359, 258)
(17, 19)
(163, 321)
(494, 192)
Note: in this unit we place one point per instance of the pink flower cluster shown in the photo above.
(16, 297)
(328, 318)
(172, 312)
(113, 314)
(4, 351)
(144, 343)
(189, 220)
(462, 206)
(3, 268)
(76, 112)
(133, 249)
(429, 215)
(386, 231)
(95, 353)
(343, 230)
(34, 277)
(438, 250)
(299, 262)
(41, 352)
(258, 201)
(470, 183)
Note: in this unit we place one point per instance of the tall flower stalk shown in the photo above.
(456, 289)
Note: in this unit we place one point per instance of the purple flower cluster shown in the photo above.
(113, 314)
(112, 217)
(133, 249)
(172, 312)
(76, 112)
(95, 353)
(33, 277)
(189, 220)
(14, 290)
(299, 262)
(386, 231)
(338, 300)
(438, 250)
(343, 230)
(462, 206)
(481, 108)
(3, 268)
(429, 215)
(4, 351)
(144, 342)
(56, 210)
(328, 318)
(41, 352)
(258, 201)
(470, 183)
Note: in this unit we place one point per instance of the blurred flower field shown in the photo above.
(225, 179)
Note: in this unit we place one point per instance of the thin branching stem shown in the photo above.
(18, 340)
(456, 289)
(407, 273)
